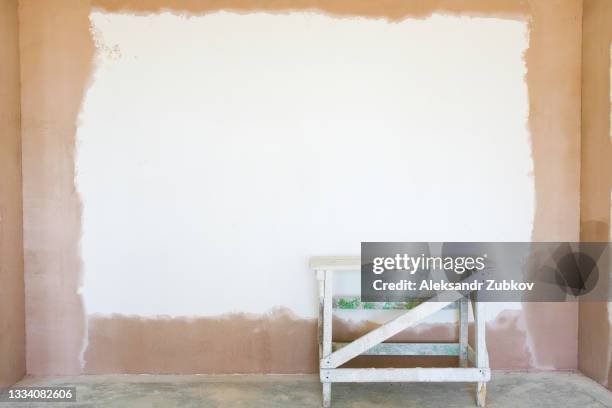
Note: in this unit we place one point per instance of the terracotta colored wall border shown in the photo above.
(595, 340)
(12, 320)
(57, 53)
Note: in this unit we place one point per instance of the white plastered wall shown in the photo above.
(217, 153)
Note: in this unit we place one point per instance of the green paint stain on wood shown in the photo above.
(355, 303)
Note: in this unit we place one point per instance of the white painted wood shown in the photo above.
(327, 314)
(408, 349)
(463, 331)
(482, 319)
(480, 348)
(326, 395)
(327, 330)
(336, 263)
(405, 374)
(386, 331)
(471, 356)
(320, 318)
(333, 355)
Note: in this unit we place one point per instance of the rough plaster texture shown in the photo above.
(57, 64)
(12, 320)
(595, 339)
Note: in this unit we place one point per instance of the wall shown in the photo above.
(12, 320)
(219, 215)
(63, 60)
(594, 330)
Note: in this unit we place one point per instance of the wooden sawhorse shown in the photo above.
(474, 362)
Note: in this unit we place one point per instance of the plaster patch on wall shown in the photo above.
(272, 133)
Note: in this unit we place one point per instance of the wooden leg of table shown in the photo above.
(327, 331)
(480, 348)
(327, 314)
(463, 332)
(320, 320)
(326, 395)
(481, 394)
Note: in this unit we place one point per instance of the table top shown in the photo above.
(335, 263)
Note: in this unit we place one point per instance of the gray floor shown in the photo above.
(507, 389)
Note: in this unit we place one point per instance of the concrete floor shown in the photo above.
(507, 389)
